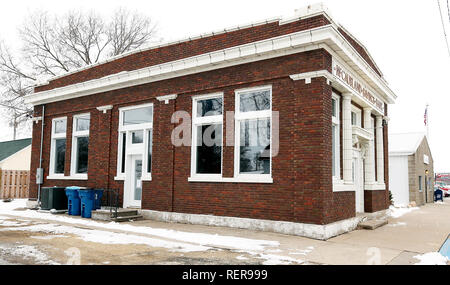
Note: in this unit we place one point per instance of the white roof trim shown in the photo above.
(323, 37)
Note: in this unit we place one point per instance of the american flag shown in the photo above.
(425, 117)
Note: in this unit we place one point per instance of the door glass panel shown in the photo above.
(138, 179)
(137, 137)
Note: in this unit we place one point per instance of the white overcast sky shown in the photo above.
(404, 37)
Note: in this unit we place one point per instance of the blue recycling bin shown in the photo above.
(87, 202)
(438, 195)
(98, 198)
(73, 201)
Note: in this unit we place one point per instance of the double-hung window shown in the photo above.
(253, 120)
(58, 147)
(335, 141)
(135, 138)
(207, 121)
(80, 145)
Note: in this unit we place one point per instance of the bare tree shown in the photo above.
(53, 45)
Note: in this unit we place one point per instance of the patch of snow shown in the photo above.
(274, 259)
(241, 257)
(397, 224)
(431, 258)
(27, 252)
(48, 237)
(303, 251)
(397, 212)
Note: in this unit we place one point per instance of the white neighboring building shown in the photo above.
(15, 155)
(411, 171)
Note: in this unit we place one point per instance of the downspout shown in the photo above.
(40, 153)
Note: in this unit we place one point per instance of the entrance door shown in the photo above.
(133, 183)
(358, 176)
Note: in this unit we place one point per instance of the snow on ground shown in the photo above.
(198, 238)
(177, 240)
(107, 237)
(27, 252)
(397, 224)
(431, 258)
(397, 212)
(303, 251)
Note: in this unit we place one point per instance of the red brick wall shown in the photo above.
(302, 187)
(187, 49)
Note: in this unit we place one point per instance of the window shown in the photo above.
(335, 141)
(58, 147)
(206, 154)
(420, 183)
(253, 133)
(356, 116)
(80, 145)
(135, 137)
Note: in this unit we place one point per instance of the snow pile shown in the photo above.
(397, 212)
(431, 258)
(27, 252)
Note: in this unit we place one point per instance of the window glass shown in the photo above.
(209, 107)
(138, 116)
(60, 126)
(124, 147)
(354, 120)
(209, 149)
(150, 146)
(333, 104)
(333, 149)
(255, 101)
(420, 182)
(82, 154)
(83, 124)
(60, 155)
(255, 146)
(137, 137)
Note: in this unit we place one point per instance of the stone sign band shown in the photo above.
(357, 86)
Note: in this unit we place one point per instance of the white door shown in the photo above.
(358, 176)
(133, 183)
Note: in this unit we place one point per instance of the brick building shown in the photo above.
(295, 112)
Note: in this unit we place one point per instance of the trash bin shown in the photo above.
(98, 198)
(53, 198)
(438, 195)
(73, 200)
(87, 202)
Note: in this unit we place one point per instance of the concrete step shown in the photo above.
(127, 218)
(105, 214)
(372, 224)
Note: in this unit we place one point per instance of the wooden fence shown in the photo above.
(14, 183)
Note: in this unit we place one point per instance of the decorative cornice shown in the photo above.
(167, 98)
(308, 75)
(105, 108)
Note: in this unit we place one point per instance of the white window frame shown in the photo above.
(253, 115)
(337, 143)
(54, 137)
(75, 135)
(128, 129)
(198, 121)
